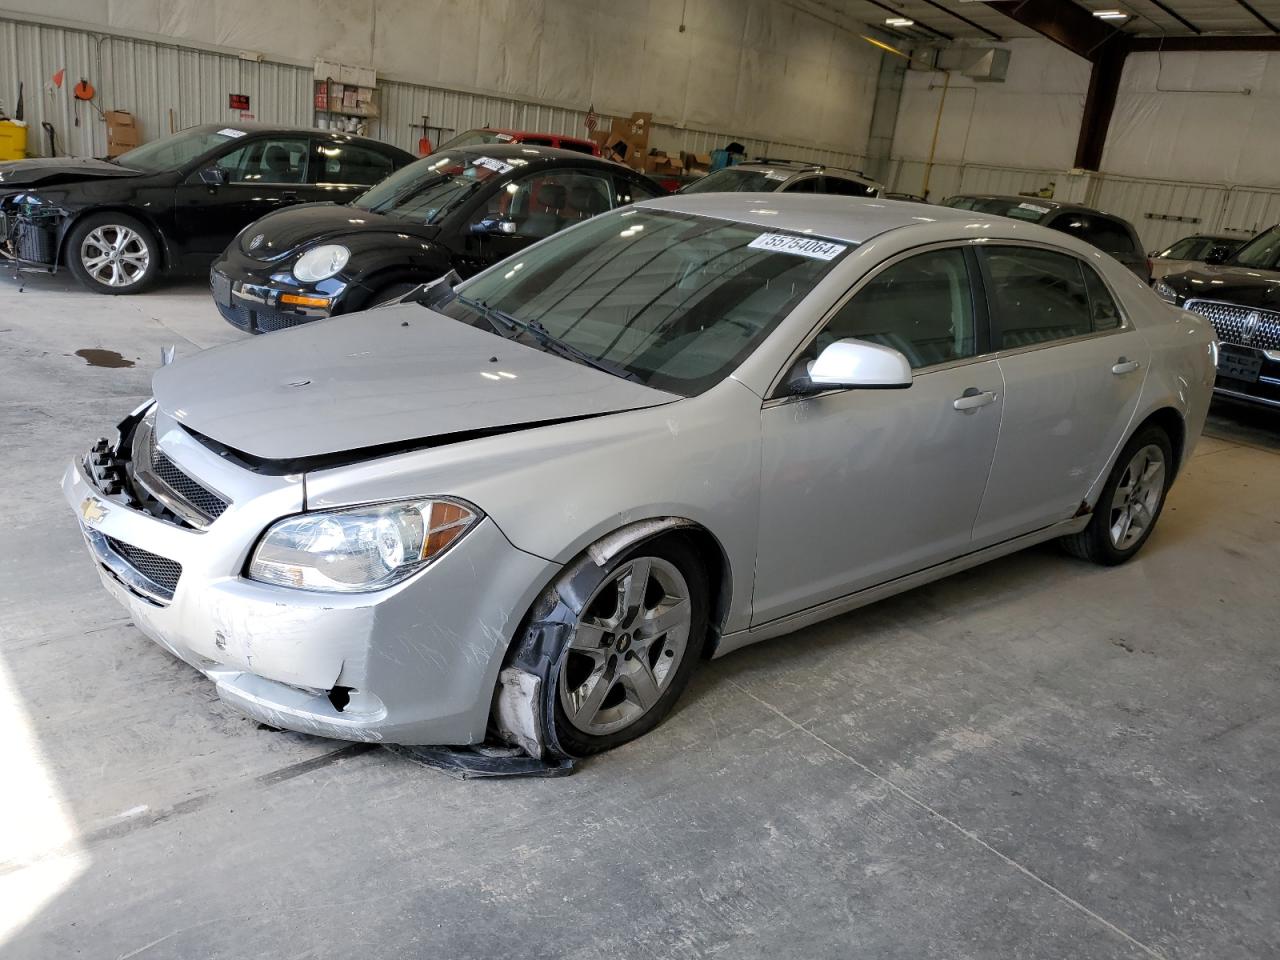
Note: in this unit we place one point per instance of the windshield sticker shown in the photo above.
(775, 175)
(505, 138)
(797, 246)
(491, 164)
(230, 132)
(1032, 206)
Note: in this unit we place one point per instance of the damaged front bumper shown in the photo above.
(414, 664)
(29, 236)
(261, 297)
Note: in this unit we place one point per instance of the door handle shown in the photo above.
(1123, 366)
(289, 196)
(973, 398)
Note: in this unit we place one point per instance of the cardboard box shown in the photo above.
(123, 132)
(627, 140)
(659, 162)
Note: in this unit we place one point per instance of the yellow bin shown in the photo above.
(13, 140)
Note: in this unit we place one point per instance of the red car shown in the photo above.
(483, 135)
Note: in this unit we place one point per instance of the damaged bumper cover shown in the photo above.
(413, 664)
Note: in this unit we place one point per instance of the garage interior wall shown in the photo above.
(1190, 147)
(709, 70)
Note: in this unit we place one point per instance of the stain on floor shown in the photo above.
(103, 358)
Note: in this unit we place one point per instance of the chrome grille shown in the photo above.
(194, 494)
(1231, 320)
(159, 571)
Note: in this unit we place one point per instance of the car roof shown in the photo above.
(1039, 201)
(535, 155)
(512, 132)
(799, 166)
(851, 219)
(256, 128)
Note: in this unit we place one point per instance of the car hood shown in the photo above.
(56, 170)
(1246, 286)
(284, 231)
(393, 378)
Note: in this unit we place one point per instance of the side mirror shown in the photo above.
(855, 364)
(498, 226)
(213, 176)
(1219, 254)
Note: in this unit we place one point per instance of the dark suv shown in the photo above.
(1240, 294)
(1105, 231)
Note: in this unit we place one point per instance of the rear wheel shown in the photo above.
(634, 647)
(113, 253)
(1131, 501)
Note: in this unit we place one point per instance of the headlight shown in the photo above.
(1166, 292)
(321, 263)
(360, 548)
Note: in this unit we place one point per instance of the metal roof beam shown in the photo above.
(1263, 20)
(1064, 23)
(952, 13)
(1175, 14)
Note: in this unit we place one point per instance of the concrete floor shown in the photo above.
(1035, 759)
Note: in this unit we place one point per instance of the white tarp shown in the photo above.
(761, 68)
(1202, 117)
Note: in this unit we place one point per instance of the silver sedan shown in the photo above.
(524, 507)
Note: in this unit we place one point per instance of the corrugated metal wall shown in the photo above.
(1161, 210)
(165, 85)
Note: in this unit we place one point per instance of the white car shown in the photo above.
(532, 503)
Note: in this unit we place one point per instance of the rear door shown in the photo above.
(1073, 368)
(263, 173)
(861, 486)
(341, 171)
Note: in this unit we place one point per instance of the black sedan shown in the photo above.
(173, 204)
(1240, 294)
(462, 210)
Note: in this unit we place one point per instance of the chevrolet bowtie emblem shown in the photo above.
(92, 511)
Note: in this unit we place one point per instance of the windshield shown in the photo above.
(739, 180)
(177, 150)
(1017, 209)
(670, 300)
(1262, 251)
(424, 191)
(474, 138)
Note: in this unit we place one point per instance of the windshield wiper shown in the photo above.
(545, 337)
(503, 323)
(508, 325)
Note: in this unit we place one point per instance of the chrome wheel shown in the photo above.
(1137, 497)
(115, 255)
(627, 646)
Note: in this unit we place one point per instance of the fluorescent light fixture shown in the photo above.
(1111, 15)
(899, 22)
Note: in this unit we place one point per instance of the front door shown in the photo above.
(525, 210)
(262, 174)
(1073, 368)
(862, 486)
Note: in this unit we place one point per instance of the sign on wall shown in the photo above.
(238, 101)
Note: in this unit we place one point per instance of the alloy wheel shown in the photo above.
(627, 646)
(115, 255)
(1137, 497)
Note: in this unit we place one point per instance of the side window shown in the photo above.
(1103, 233)
(347, 163)
(922, 306)
(1036, 296)
(267, 161)
(1188, 248)
(807, 185)
(545, 203)
(846, 188)
(1102, 306)
(633, 191)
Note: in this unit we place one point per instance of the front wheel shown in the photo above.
(113, 253)
(633, 649)
(1131, 501)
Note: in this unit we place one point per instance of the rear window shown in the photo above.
(740, 180)
(1016, 209)
(1103, 232)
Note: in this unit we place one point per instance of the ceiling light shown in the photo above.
(1111, 15)
(899, 22)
